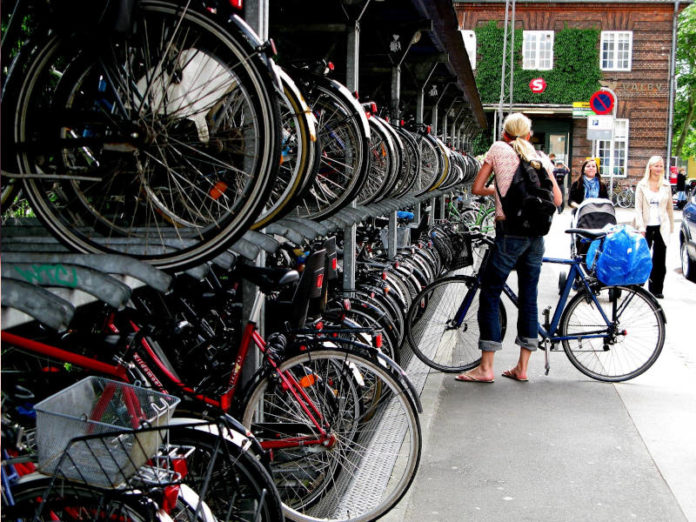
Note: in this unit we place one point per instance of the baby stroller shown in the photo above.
(593, 213)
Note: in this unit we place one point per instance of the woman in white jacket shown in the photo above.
(655, 218)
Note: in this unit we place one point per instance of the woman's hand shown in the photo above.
(479, 186)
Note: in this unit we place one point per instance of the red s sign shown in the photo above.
(537, 85)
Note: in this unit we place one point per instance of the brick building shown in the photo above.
(633, 51)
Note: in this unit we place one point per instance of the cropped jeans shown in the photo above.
(511, 252)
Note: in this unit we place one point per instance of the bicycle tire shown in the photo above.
(622, 356)
(469, 218)
(432, 332)
(399, 160)
(409, 165)
(72, 501)
(429, 167)
(298, 153)
(172, 180)
(343, 135)
(383, 164)
(349, 490)
(241, 489)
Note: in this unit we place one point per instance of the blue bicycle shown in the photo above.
(609, 333)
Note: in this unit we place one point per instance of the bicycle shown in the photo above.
(315, 406)
(160, 140)
(609, 333)
(103, 451)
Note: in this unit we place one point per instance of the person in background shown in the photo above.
(510, 252)
(588, 185)
(561, 171)
(681, 188)
(655, 219)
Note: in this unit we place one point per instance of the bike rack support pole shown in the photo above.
(456, 128)
(352, 82)
(435, 108)
(421, 97)
(392, 243)
(256, 15)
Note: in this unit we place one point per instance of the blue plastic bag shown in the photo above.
(621, 258)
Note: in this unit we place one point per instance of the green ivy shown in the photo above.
(574, 77)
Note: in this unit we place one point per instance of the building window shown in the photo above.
(614, 153)
(537, 50)
(616, 50)
(470, 46)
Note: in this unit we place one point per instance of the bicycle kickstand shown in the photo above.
(544, 345)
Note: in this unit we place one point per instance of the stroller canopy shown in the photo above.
(594, 213)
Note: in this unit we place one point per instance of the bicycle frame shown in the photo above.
(250, 335)
(547, 331)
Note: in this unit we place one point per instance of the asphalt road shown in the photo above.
(564, 447)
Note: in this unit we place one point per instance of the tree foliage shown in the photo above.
(684, 131)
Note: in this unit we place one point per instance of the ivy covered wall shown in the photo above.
(574, 77)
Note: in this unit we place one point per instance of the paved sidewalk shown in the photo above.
(564, 447)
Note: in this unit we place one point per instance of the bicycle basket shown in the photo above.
(96, 406)
(464, 257)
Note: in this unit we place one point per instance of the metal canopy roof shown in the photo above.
(421, 35)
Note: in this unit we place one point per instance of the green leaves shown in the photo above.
(684, 142)
(574, 77)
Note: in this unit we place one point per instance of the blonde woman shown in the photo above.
(655, 219)
(511, 251)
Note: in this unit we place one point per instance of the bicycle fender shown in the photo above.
(191, 498)
(354, 103)
(255, 41)
(403, 377)
(233, 435)
(387, 362)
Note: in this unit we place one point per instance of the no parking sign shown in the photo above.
(602, 102)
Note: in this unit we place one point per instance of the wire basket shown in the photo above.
(111, 420)
(464, 256)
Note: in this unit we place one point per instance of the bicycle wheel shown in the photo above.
(343, 137)
(33, 500)
(161, 144)
(382, 171)
(430, 164)
(432, 329)
(469, 218)
(240, 488)
(623, 350)
(375, 434)
(487, 222)
(298, 154)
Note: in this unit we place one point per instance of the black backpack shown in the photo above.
(528, 204)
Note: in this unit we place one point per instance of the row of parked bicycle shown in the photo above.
(168, 139)
(334, 418)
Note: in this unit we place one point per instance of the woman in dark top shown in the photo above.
(588, 185)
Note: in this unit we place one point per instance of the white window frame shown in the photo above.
(533, 50)
(610, 149)
(612, 59)
(469, 38)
